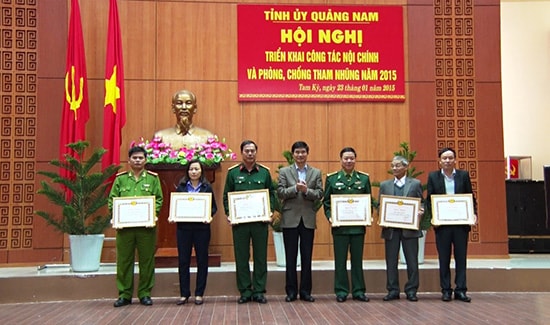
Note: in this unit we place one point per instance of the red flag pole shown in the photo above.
(114, 110)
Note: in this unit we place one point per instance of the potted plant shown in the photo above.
(81, 196)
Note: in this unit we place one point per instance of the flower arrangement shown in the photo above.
(210, 153)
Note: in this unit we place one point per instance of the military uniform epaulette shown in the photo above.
(233, 166)
(122, 173)
(152, 173)
(360, 172)
(333, 173)
(263, 166)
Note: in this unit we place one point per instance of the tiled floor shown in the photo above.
(485, 308)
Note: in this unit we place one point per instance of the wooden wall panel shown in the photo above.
(274, 127)
(487, 43)
(373, 129)
(52, 46)
(140, 101)
(203, 47)
(490, 146)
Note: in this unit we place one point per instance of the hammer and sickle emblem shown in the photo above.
(71, 98)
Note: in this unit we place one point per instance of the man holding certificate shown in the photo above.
(352, 237)
(451, 237)
(401, 185)
(137, 182)
(253, 178)
(300, 187)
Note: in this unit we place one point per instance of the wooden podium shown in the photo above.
(167, 253)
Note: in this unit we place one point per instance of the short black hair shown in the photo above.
(348, 149)
(443, 150)
(247, 142)
(299, 145)
(135, 149)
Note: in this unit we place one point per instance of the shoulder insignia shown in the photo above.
(263, 166)
(152, 173)
(233, 166)
(333, 173)
(360, 172)
(121, 173)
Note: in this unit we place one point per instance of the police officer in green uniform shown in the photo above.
(347, 181)
(136, 182)
(245, 176)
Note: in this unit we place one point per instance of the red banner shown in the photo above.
(76, 110)
(319, 53)
(114, 111)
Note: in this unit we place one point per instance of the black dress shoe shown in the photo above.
(182, 301)
(362, 297)
(307, 298)
(260, 299)
(290, 298)
(243, 300)
(146, 301)
(446, 296)
(462, 297)
(391, 296)
(122, 302)
(412, 297)
(341, 298)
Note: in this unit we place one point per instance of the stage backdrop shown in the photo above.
(452, 87)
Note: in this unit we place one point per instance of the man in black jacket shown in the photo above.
(451, 181)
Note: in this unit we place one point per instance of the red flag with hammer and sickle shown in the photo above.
(75, 111)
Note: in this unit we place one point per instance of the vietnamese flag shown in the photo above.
(114, 112)
(76, 110)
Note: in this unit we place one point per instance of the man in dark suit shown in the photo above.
(451, 181)
(401, 185)
(300, 187)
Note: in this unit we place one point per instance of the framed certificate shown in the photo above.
(134, 211)
(190, 207)
(350, 210)
(249, 206)
(399, 212)
(456, 209)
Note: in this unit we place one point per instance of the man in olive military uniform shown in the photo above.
(136, 182)
(245, 176)
(347, 181)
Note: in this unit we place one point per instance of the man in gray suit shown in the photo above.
(300, 187)
(401, 185)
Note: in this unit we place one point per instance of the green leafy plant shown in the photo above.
(409, 155)
(87, 192)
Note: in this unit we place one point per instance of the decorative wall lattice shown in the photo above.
(18, 77)
(455, 84)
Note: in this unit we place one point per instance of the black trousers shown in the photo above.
(452, 239)
(291, 238)
(199, 237)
